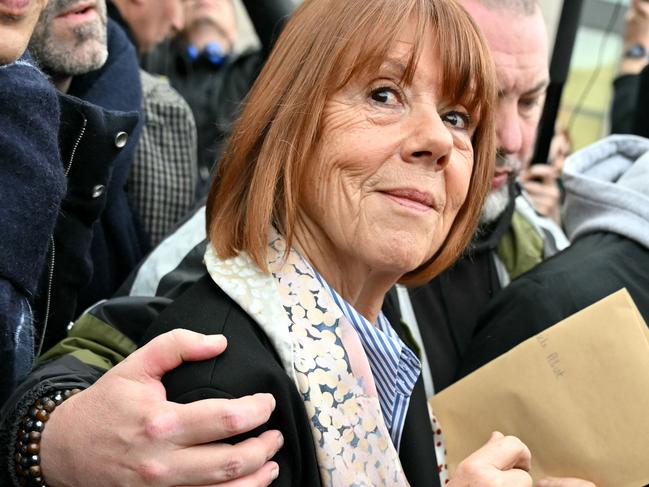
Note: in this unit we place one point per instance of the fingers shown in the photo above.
(495, 436)
(516, 477)
(168, 351)
(218, 463)
(214, 419)
(542, 189)
(261, 478)
(563, 482)
(504, 453)
(539, 172)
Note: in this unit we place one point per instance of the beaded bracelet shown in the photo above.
(28, 444)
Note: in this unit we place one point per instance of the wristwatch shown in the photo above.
(636, 51)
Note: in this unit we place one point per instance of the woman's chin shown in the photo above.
(397, 260)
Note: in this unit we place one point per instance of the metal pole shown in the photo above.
(559, 67)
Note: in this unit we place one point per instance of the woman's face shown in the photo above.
(17, 21)
(392, 168)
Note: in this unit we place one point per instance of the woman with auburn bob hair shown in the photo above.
(361, 159)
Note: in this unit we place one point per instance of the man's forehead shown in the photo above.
(518, 44)
(520, 73)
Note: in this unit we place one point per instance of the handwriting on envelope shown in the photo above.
(577, 395)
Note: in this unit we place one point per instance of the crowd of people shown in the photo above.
(253, 268)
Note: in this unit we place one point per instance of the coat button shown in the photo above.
(121, 139)
(98, 190)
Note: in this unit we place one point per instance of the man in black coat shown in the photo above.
(607, 217)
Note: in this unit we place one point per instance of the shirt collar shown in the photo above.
(394, 366)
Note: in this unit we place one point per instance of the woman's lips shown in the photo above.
(411, 198)
(15, 8)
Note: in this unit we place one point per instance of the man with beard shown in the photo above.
(90, 58)
(512, 237)
(88, 55)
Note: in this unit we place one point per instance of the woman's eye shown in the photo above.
(385, 96)
(458, 120)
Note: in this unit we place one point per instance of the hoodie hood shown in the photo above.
(607, 189)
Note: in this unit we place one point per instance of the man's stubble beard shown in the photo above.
(86, 52)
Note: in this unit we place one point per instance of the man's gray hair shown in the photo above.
(525, 7)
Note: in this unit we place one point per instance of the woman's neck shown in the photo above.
(356, 282)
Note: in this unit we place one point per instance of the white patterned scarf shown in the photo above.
(322, 353)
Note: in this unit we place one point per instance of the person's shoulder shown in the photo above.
(203, 307)
(250, 363)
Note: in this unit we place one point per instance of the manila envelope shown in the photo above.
(577, 394)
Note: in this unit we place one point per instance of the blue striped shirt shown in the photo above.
(394, 366)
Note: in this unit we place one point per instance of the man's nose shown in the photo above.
(508, 127)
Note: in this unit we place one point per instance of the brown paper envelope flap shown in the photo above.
(576, 394)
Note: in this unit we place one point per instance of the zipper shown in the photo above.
(50, 277)
(76, 145)
(48, 302)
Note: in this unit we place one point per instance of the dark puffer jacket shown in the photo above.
(32, 184)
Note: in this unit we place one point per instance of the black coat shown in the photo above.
(32, 184)
(89, 156)
(250, 365)
(593, 267)
(447, 308)
(630, 97)
(118, 242)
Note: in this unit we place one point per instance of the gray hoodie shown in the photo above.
(607, 189)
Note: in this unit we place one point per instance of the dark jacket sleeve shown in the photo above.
(88, 151)
(32, 184)
(625, 100)
(65, 373)
(99, 340)
(517, 313)
(641, 120)
(248, 366)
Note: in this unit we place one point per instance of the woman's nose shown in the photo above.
(429, 140)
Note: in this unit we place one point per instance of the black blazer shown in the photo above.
(250, 365)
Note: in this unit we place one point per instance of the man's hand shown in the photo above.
(540, 182)
(122, 431)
